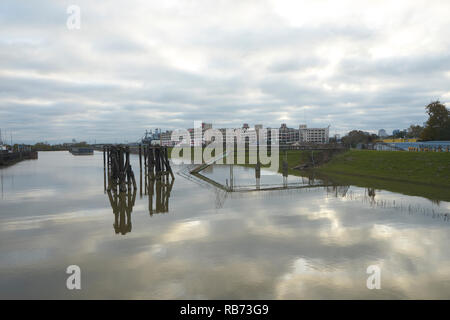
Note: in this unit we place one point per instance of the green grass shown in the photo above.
(432, 192)
(424, 174)
(430, 168)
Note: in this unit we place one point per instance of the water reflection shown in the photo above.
(122, 200)
(250, 179)
(1, 179)
(310, 243)
(122, 205)
(159, 191)
(238, 180)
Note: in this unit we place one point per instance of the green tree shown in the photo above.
(438, 124)
(400, 134)
(357, 136)
(414, 131)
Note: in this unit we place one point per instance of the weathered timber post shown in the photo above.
(140, 172)
(128, 167)
(150, 196)
(151, 158)
(140, 158)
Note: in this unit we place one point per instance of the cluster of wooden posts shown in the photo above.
(116, 160)
(156, 161)
(120, 182)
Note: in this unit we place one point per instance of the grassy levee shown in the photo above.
(431, 168)
(424, 174)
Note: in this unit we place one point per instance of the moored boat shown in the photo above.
(82, 151)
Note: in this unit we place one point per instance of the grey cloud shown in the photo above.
(136, 68)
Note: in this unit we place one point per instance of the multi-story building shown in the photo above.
(313, 135)
(288, 135)
(243, 135)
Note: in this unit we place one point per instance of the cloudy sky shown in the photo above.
(140, 64)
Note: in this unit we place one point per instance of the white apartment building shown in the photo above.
(313, 135)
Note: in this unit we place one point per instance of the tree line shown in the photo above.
(436, 128)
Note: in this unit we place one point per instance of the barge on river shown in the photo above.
(82, 151)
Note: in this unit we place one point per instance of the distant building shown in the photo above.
(23, 148)
(166, 139)
(382, 133)
(287, 135)
(152, 137)
(396, 131)
(206, 126)
(198, 136)
(313, 135)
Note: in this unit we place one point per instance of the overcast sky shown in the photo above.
(136, 65)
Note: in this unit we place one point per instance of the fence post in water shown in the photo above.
(104, 169)
(140, 158)
(152, 162)
(140, 170)
(128, 167)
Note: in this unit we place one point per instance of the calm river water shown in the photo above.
(200, 242)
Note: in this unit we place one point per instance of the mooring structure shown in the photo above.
(116, 161)
(120, 183)
(155, 161)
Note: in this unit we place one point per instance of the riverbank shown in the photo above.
(425, 174)
(8, 159)
(427, 168)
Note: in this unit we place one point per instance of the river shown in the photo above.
(192, 240)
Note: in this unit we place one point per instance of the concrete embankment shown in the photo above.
(7, 159)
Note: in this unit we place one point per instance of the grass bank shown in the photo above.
(431, 168)
(425, 174)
